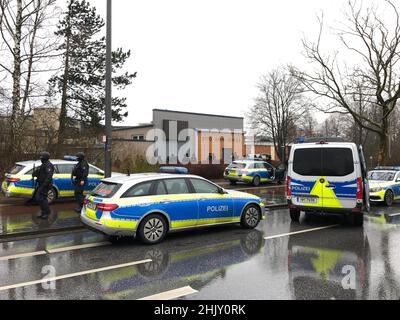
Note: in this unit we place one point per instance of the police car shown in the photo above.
(19, 182)
(149, 206)
(384, 184)
(253, 172)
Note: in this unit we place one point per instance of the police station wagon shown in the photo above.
(149, 206)
(253, 172)
(384, 184)
(19, 182)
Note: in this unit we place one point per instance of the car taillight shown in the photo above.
(289, 190)
(360, 193)
(13, 180)
(107, 207)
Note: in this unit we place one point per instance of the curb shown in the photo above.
(39, 233)
(277, 206)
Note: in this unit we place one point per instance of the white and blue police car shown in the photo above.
(149, 206)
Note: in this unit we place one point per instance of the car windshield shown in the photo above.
(16, 169)
(381, 176)
(106, 190)
(237, 165)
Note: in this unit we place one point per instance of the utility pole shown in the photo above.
(108, 114)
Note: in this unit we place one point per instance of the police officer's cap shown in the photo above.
(44, 155)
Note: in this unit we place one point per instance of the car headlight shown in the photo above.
(375, 190)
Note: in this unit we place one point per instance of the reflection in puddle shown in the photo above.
(338, 271)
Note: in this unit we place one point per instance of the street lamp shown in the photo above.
(108, 111)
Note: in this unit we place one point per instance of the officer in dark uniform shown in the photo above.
(44, 178)
(79, 177)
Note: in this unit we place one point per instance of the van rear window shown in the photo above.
(308, 162)
(332, 162)
(338, 162)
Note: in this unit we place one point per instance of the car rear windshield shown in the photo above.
(332, 162)
(106, 190)
(236, 165)
(17, 169)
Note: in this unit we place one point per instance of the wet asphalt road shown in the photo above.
(340, 262)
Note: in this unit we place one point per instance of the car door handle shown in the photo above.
(331, 186)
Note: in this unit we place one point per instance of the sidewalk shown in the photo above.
(22, 220)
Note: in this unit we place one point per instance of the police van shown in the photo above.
(328, 177)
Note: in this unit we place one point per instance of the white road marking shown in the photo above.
(73, 275)
(170, 295)
(300, 232)
(52, 251)
(394, 215)
(79, 247)
(23, 255)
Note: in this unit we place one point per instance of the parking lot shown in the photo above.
(318, 258)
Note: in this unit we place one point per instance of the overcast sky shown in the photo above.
(208, 55)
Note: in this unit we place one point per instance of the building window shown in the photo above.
(139, 137)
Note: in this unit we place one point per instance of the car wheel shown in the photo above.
(251, 217)
(159, 263)
(52, 195)
(252, 243)
(295, 215)
(389, 198)
(256, 181)
(153, 229)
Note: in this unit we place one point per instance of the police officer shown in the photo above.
(79, 178)
(44, 178)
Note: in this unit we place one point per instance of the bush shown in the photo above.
(135, 164)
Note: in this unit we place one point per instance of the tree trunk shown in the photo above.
(64, 99)
(384, 143)
(16, 95)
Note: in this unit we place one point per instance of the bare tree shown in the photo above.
(372, 81)
(26, 48)
(279, 105)
(306, 123)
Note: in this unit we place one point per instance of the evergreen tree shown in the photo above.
(82, 82)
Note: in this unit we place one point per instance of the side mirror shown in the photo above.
(222, 191)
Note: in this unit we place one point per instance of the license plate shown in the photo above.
(92, 206)
(307, 200)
